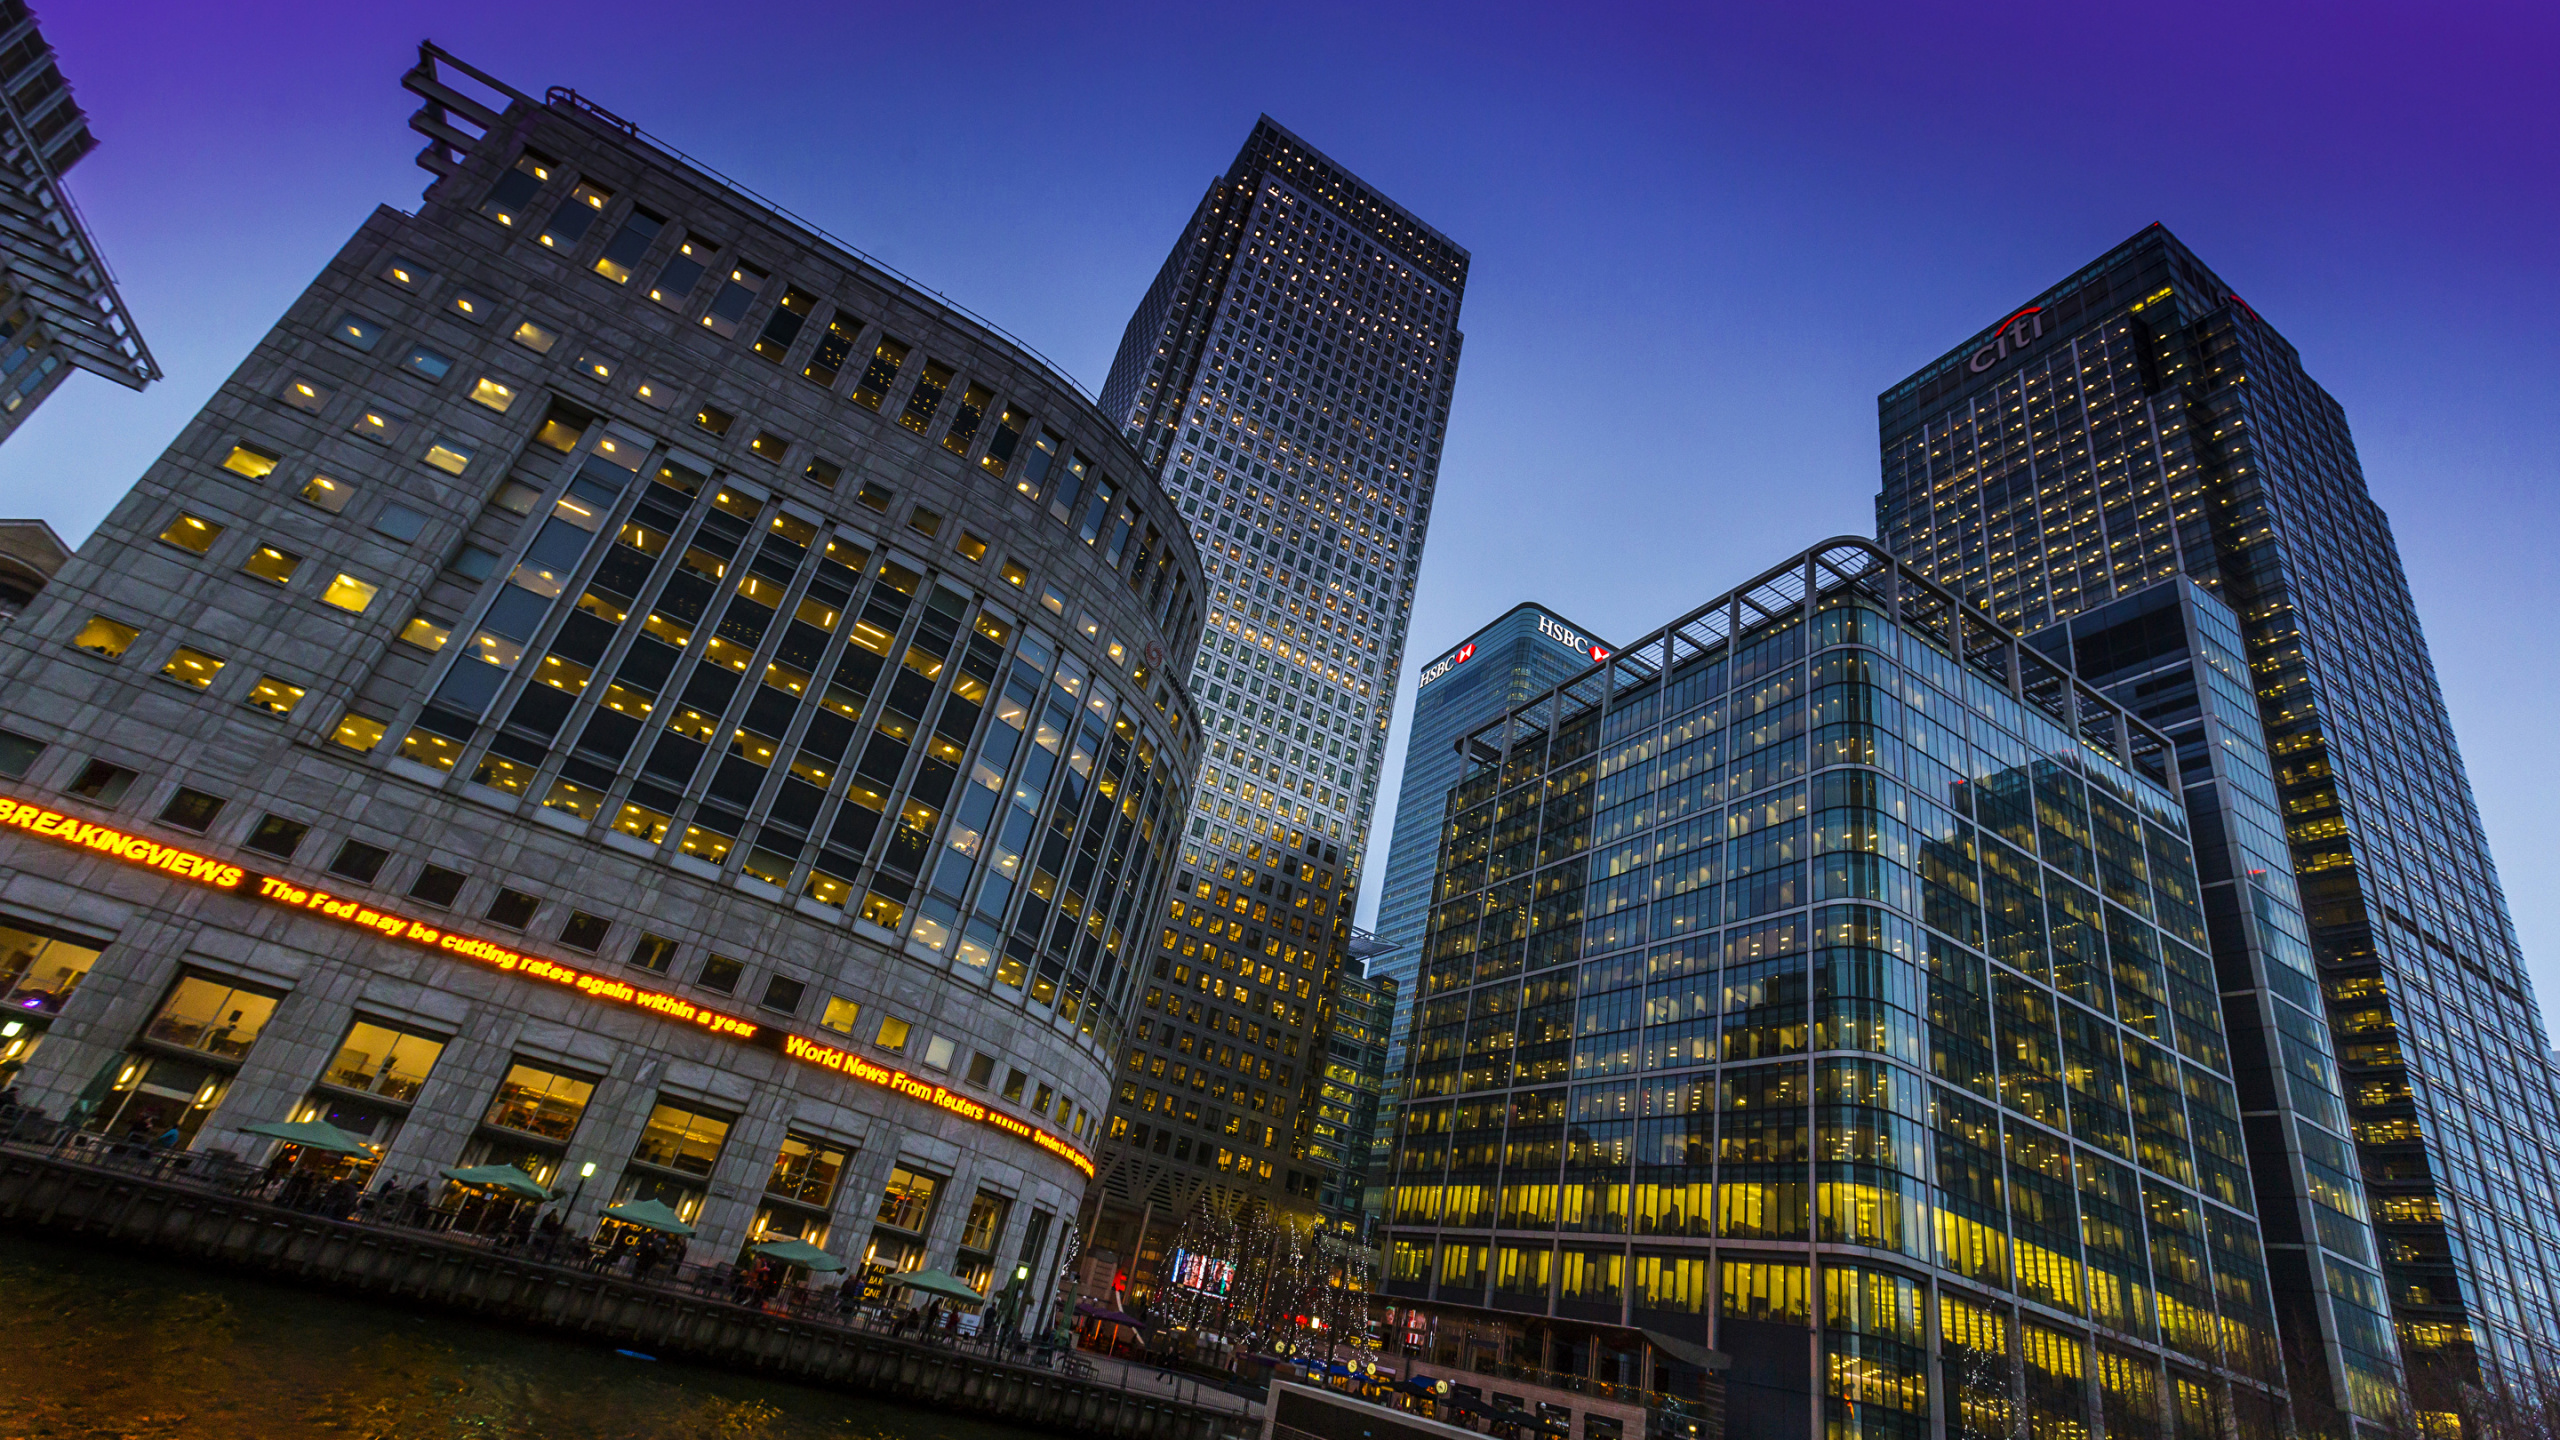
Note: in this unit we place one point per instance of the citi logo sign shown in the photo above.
(1444, 665)
(2015, 334)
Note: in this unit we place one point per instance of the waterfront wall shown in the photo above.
(42, 1193)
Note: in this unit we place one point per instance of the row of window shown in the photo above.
(923, 520)
(757, 742)
(185, 1058)
(830, 353)
(569, 793)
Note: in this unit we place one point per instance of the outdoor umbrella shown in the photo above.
(940, 1282)
(1095, 1310)
(311, 1135)
(648, 1215)
(796, 1251)
(497, 1177)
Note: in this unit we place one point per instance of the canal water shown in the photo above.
(96, 1345)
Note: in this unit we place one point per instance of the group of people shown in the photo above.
(635, 1251)
(312, 1191)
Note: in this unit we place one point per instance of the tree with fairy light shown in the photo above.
(1196, 1292)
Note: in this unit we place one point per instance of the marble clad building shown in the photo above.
(615, 679)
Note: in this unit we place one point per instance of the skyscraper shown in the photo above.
(1729, 1036)
(1288, 374)
(2139, 422)
(58, 304)
(1529, 649)
(1352, 1082)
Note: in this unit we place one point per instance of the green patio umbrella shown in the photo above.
(796, 1251)
(649, 1215)
(940, 1282)
(311, 1135)
(497, 1177)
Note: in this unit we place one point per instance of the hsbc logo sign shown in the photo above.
(1549, 627)
(1447, 663)
(2015, 334)
(1571, 639)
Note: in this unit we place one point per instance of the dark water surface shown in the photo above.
(94, 1344)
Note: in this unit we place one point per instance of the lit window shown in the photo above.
(500, 773)
(730, 304)
(973, 548)
(191, 534)
(102, 636)
(425, 633)
(269, 563)
(595, 367)
(769, 445)
(274, 695)
(428, 363)
(1054, 599)
(573, 798)
(569, 223)
(840, 1015)
(357, 331)
(330, 495)
(714, 419)
(358, 732)
(493, 394)
(350, 594)
(517, 187)
(643, 823)
(191, 667)
(379, 424)
(683, 270)
(252, 461)
(893, 1035)
(536, 338)
(306, 395)
(628, 245)
(469, 306)
(449, 456)
(403, 274)
(427, 748)
(656, 394)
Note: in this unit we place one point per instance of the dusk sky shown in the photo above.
(1703, 241)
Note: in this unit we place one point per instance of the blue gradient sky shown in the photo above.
(1704, 240)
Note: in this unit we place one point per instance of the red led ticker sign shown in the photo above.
(217, 874)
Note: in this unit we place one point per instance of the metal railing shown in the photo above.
(491, 1228)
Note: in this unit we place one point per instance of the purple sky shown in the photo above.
(1703, 241)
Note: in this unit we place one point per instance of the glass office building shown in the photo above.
(59, 310)
(1288, 376)
(1349, 1094)
(612, 683)
(1528, 650)
(2137, 423)
(1824, 980)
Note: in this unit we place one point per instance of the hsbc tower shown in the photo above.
(1530, 649)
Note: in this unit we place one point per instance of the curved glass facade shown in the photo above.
(1830, 968)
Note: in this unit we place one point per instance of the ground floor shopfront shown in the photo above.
(175, 1025)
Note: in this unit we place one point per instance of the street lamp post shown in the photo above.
(584, 1173)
